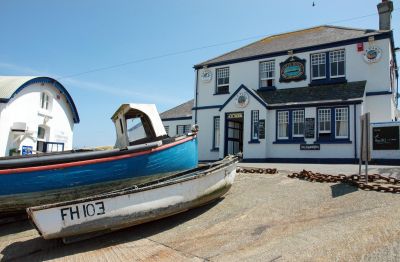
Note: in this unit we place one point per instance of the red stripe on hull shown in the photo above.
(91, 161)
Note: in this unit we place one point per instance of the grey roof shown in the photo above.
(183, 110)
(10, 84)
(345, 91)
(314, 36)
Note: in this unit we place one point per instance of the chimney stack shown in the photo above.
(385, 14)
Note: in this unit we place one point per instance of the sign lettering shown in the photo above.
(82, 211)
(310, 146)
(386, 138)
(234, 115)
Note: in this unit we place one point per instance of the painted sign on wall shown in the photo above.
(385, 138)
(293, 69)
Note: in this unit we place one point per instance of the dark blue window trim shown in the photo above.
(378, 93)
(331, 139)
(328, 79)
(214, 148)
(291, 139)
(248, 91)
(216, 80)
(176, 118)
(57, 85)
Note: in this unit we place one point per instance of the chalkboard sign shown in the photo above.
(309, 128)
(261, 129)
(385, 138)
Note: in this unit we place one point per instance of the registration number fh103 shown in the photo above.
(82, 211)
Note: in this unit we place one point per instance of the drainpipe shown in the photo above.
(196, 95)
(355, 132)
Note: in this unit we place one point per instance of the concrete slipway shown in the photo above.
(263, 218)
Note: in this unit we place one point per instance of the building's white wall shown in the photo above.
(381, 107)
(25, 107)
(205, 120)
(172, 124)
(247, 73)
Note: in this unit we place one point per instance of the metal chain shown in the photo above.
(378, 182)
(256, 170)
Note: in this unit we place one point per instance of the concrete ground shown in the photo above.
(262, 218)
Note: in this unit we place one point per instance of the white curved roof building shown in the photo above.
(36, 114)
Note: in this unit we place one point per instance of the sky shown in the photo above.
(107, 53)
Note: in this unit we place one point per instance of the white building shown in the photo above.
(298, 96)
(36, 114)
(178, 120)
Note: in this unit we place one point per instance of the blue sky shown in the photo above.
(65, 38)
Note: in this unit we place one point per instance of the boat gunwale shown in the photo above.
(126, 153)
(163, 182)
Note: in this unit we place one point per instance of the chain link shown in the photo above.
(376, 182)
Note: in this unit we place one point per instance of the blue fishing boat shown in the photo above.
(47, 178)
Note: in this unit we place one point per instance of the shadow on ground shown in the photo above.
(342, 189)
(38, 249)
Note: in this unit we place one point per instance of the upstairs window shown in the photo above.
(324, 119)
(337, 60)
(222, 80)
(318, 66)
(267, 74)
(182, 129)
(44, 101)
(342, 122)
(283, 123)
(298, 123)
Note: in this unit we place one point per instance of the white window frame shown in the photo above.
(283, 118)
(255, 117)
(316, 60)
(217, 132)
(322, 113)
(267, 72)
(222, 73)
(185, 129)
(337, 56)
(298, 116)
(342, 115)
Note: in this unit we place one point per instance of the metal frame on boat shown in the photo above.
(135, 205)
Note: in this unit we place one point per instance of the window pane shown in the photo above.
(322, 70)
(283, 122)
(267, 72)
(216, 132)
(341, 68)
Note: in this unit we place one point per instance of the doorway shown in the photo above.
(233, 133)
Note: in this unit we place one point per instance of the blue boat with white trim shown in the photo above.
(48, 178)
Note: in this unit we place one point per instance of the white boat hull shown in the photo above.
(131, 207)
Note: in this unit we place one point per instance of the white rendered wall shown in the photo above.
(382, 107)
(173, 123)
(247, 73)
(25, 107)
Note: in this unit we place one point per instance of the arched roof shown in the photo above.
(12, 85)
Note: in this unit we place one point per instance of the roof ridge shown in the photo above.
(270, 37)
